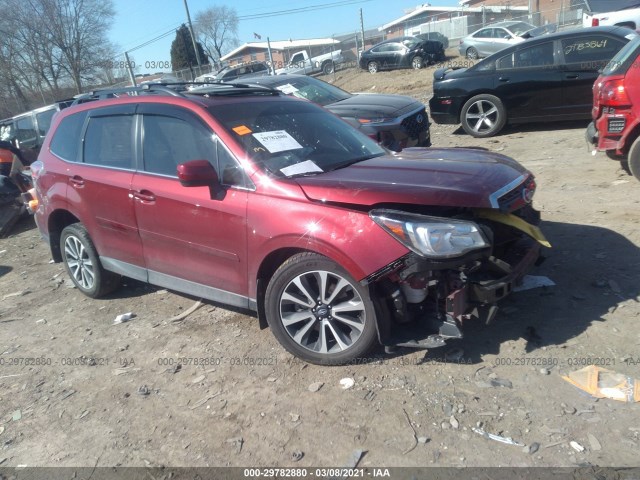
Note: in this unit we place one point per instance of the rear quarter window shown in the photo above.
(66, 138)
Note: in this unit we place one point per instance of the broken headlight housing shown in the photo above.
(431, 237)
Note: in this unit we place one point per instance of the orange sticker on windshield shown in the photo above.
(241, 130)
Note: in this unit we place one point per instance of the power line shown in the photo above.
(292, 11)
(308, 8)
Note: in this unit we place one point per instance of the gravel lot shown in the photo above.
(78, 390)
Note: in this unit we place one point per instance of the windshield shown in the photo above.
(520, 27)
(292, 138)
(410, 43)
(313, 90)
(621, 60)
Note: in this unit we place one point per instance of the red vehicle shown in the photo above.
(616, 109)
(248, 197)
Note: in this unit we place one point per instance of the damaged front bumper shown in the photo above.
(422, 303)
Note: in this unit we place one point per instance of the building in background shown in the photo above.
(281, 50)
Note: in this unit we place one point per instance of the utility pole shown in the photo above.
(193, 37)
(362, 29)
(129, 69)
(272, 67)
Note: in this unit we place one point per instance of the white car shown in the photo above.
(493, 38)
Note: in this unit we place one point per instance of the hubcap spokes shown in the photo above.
(79, 263)
(482, 116)
(322, 312)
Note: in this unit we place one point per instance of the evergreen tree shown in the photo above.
(182, 53)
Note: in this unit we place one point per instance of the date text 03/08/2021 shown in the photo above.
(316, 473)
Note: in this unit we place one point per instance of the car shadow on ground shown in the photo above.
(594, 268)
(4, 269)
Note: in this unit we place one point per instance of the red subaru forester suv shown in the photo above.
(248, 197)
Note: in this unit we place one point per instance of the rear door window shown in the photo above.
(590, 52)
(536, 56)
(108, 142)
(25, 130)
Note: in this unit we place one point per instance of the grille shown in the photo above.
(516, 198)
(413, 127)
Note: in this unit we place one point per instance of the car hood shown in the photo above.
(453, 177)
(374, 105)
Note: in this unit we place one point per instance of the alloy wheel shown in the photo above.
(482, 116)
(322, 312)
(79, 262)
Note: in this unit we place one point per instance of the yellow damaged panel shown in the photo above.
(515, 222)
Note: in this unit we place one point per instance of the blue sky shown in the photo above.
(139, 21)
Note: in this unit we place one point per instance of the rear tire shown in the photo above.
(483, 116)
(634, 159)
(83, 264)
(472, 53)
(328, 67)
(318, 312)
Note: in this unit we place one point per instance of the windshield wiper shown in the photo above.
(354, 161)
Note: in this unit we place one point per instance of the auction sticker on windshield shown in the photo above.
(277, 141)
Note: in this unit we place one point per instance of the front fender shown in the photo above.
(348, 237)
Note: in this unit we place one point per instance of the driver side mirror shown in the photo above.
(200, 173)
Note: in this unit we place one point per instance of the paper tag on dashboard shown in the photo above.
(301, 168)
(277, 141)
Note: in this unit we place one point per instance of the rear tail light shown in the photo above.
(613, 94)
(595, 22)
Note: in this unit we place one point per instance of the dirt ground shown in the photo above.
(78, 390)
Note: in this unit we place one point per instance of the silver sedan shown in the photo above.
(493, 38)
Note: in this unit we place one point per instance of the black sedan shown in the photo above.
(541, 79)
(401, 52)
(395, 121)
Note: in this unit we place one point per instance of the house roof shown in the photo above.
(281, 45)
(462, 9)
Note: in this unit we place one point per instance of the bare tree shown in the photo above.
(78, 28)
(217, 30)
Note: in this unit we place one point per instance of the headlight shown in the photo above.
(371, 121)
(432, 237)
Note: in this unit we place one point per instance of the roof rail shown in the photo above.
(232, 88)
(149, 88)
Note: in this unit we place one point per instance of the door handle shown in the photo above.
(77, 181)
(144, 196)
(503, 79)
(572, 76)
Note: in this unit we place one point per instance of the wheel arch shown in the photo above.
(267, 268)
(58, 220)
(629, 138)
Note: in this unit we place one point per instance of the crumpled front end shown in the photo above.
(459, 267)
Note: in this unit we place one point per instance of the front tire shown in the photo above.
(634, 159)
(483, 116)
(318, 312)
(83, 265)
(417, 63)
(373, 67)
